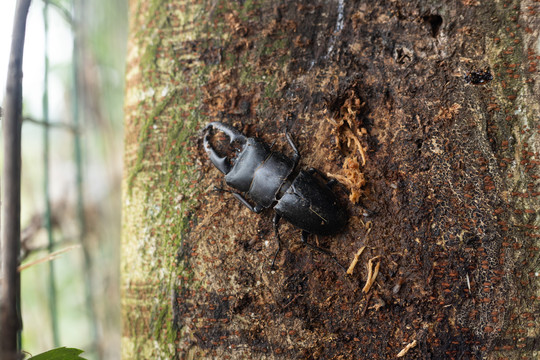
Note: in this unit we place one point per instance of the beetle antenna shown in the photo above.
(290, 121)
(220, 189)
(321, 250)
(275, 221)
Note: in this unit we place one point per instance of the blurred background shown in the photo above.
(72, 136)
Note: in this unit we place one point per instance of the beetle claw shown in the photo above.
(222, 163)
(231, 132)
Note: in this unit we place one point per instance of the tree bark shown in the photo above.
(439, 96)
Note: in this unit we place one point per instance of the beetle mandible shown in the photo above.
(270, 179)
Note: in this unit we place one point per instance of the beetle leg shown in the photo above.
(330, 183)
(305, 235)
(296, 156)
(312, 171)
(276, 219)
(256, 209)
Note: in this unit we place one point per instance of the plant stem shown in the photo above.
(46, 149)
(10, 310)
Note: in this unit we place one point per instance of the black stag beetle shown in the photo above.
(269, 178)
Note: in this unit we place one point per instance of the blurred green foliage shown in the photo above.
(62, 353)
(102, 34)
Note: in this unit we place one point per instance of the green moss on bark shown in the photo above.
(167, 76)
(450, 167)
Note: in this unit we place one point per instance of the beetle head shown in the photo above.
(223, 163)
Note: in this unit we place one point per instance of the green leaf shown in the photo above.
(62, 353)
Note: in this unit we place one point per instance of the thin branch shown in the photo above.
(10, 316)
(49, 257)
(65, 13)
(53, 303)
(67, 241)
(50, 124)
(55, 124)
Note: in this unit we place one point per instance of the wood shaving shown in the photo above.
(448, 113)
(348, 137)
(355, 260)
(353, 178)
(355, 139)
(380, 303)
(406, 349)
(372, 273)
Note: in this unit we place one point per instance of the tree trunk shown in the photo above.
(438, 98)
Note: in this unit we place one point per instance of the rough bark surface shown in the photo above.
(449, 211)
